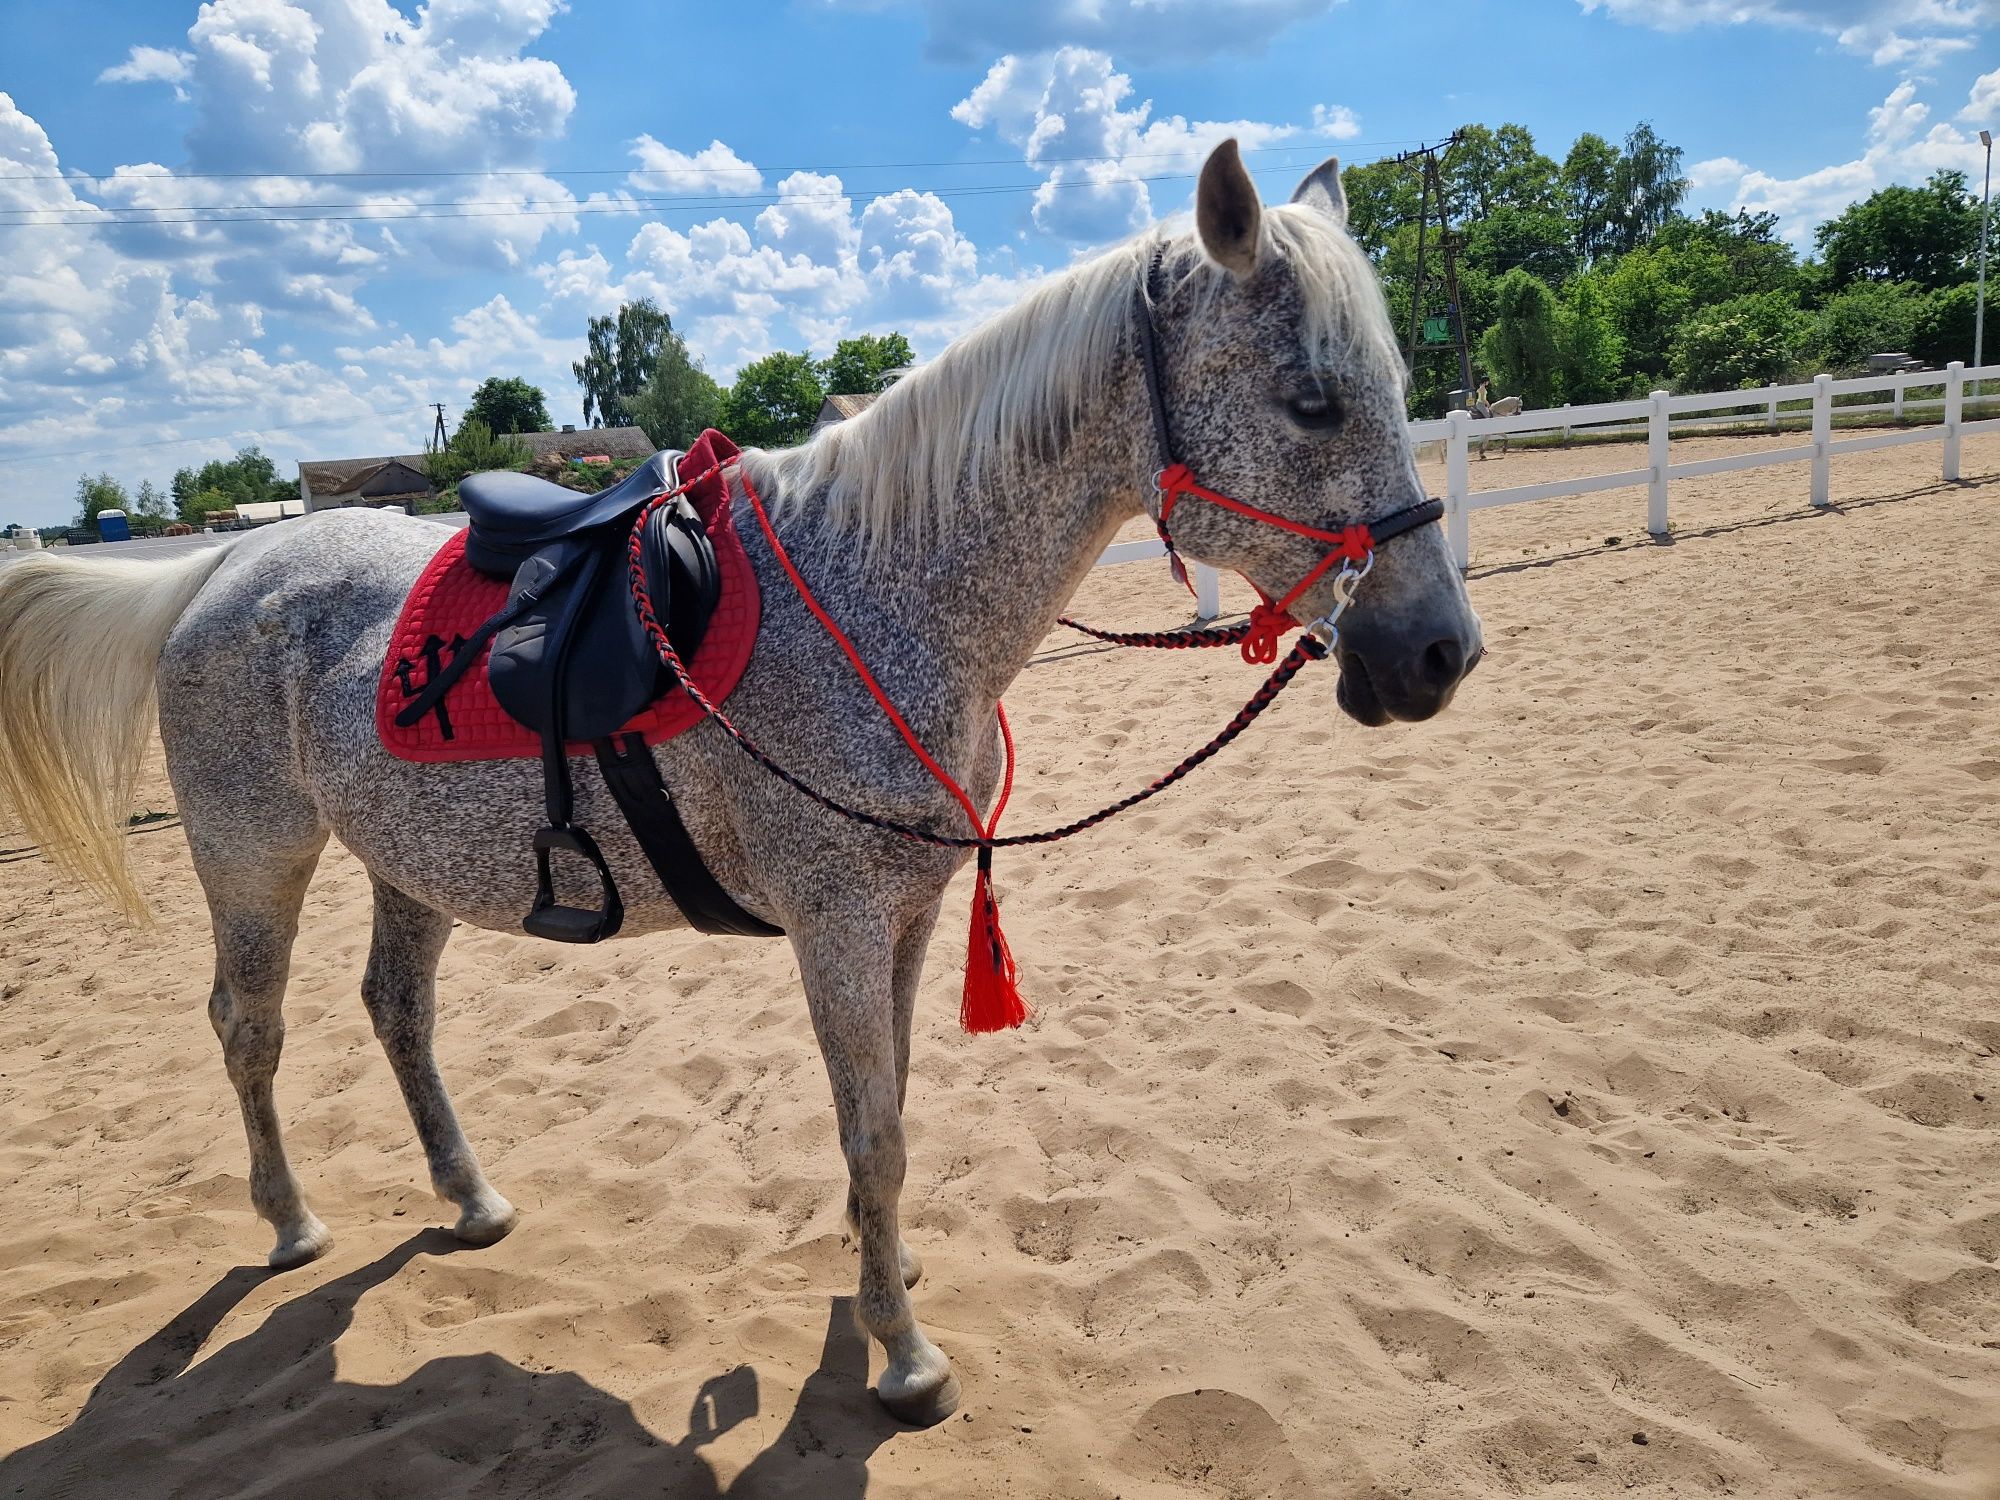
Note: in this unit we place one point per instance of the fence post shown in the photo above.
(1954, 414)
(1822, 436)
(1566, 427)
(1902, 384)
(1207, 592)
(1457, 487)
(1657, 435)
(1774, 406)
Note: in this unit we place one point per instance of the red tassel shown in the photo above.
(992, 1000)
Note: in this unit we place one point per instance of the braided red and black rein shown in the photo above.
(1306, 649)
(1165, 640)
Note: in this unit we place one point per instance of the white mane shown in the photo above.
(984, 409)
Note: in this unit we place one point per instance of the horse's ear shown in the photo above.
(1226, 211)
(1321, 189)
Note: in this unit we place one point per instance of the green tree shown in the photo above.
(151, 505)
(1534, 240)
(1592, 353)
(508, 404)
(678, 400)
(250, 477)
(1381, 199)
(1745, 252)
(1648, 303)
(94, 495)
(1491, 169)
(473, 450)
(1521, 350)
(774, 401)
(1587, 189)
(623, 351)
(1647, 188)
(861, 365)
(1746, 341)
(1923, 234)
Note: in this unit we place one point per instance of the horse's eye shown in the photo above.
(1315, 413)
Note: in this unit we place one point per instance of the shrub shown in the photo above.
(1743, 342)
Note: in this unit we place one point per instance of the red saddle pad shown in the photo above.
(452, 599)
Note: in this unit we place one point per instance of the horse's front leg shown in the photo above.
(848, 962)
(910, 949)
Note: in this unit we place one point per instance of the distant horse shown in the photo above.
(1506, 406)
(943, 529)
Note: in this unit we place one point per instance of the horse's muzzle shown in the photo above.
(1399, 675)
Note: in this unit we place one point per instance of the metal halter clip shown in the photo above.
(1326, 629)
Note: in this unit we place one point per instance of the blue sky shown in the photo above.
(448, 191)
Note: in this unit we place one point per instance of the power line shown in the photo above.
(257, 429)
(558, 172)
(231, 214)
(91, 215)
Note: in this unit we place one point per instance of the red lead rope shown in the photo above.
(992, 998)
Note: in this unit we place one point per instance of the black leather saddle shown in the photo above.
(571, 661)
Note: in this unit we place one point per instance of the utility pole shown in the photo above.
(1985, 226)
(1432, 189)
(438, 441)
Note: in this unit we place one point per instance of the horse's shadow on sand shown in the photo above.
(267, 1415)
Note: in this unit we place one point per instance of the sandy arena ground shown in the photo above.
(1590, 1093)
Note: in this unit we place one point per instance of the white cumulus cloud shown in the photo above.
(149, 65)
(713, 169)
(1898, 148)
(1072, 114)
(1888, 32)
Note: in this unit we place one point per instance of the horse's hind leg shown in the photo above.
(256, 920)
(400, 991)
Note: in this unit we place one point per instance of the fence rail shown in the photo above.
(1654, 417)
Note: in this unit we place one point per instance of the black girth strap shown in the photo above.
(634, 780)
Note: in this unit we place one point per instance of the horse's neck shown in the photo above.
(961, 612)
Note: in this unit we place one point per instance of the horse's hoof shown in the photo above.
(487, 1225)
(307, 1243)
(924, 1407)
(913, 1265)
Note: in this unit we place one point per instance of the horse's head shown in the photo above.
(1284, 389)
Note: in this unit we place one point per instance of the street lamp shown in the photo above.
(1985, 225)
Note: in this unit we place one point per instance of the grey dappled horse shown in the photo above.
(944, 528)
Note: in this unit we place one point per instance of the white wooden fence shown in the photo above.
(1657, 412)
(1659, 416)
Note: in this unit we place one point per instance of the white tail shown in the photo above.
(80, 639)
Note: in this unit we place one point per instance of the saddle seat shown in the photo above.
(514, 515)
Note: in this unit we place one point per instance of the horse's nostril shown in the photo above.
(1444, 662)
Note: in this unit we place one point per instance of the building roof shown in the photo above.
(342, 476)
(614, 442)
(840, 408)
(345, 476)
